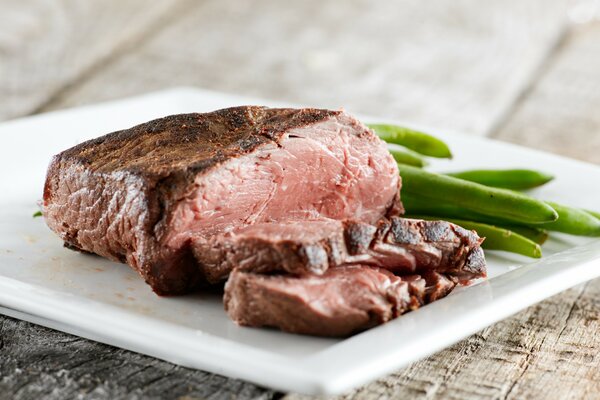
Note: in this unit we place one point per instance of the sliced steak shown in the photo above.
(139, 195)
(405, 246)
(438, 246)
(342, 301)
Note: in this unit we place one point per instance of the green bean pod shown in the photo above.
(408, 157)
(417, 141)
(517, 179)
(571, 220)
(416, 205)
(499, 203)
(594, 213)
(497, 238)
(574, 221)
(536, 235)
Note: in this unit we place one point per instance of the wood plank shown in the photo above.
(560, 114)
(454, 65)
(39, 363)
(47, 45)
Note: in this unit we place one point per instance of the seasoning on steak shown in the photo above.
(342, 301)
(405, 246)
(139, 195)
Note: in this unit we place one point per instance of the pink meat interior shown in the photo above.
(333, 169)
(297, 231)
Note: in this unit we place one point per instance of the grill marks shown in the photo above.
(404, 246)
(334, 278)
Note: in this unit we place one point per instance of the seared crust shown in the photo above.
(402, 245)
(437, 245)
(190, 143)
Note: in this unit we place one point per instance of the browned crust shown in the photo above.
(450, 249)
(436, 245)
(176, 148)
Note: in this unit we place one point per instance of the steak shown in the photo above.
(140, 195)
(405, 246)
(341, 301)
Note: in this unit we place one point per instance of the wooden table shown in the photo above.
(521, 71)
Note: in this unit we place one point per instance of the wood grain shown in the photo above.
(560, 114)
(39, 363)
(452, 64)
(46, 46)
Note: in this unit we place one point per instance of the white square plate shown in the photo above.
(44, 283)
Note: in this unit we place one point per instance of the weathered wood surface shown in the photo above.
(39, 363)
(452, 64)
(46, 46)
(561, 113)
(547, 351)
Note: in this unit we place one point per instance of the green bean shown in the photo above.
(518, 179)
(499, 203)
(594, 213)
(574, 221)
(498, 238)
(408, 157)
(416, 205)
(571, 220)
(417, 141)
(536, 235)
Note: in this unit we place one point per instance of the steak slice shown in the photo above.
(139, 195)
(342, 301)
(405, 246)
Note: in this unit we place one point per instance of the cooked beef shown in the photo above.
(405, 246)
(139, 195)
(438, 285)
(342, 301)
